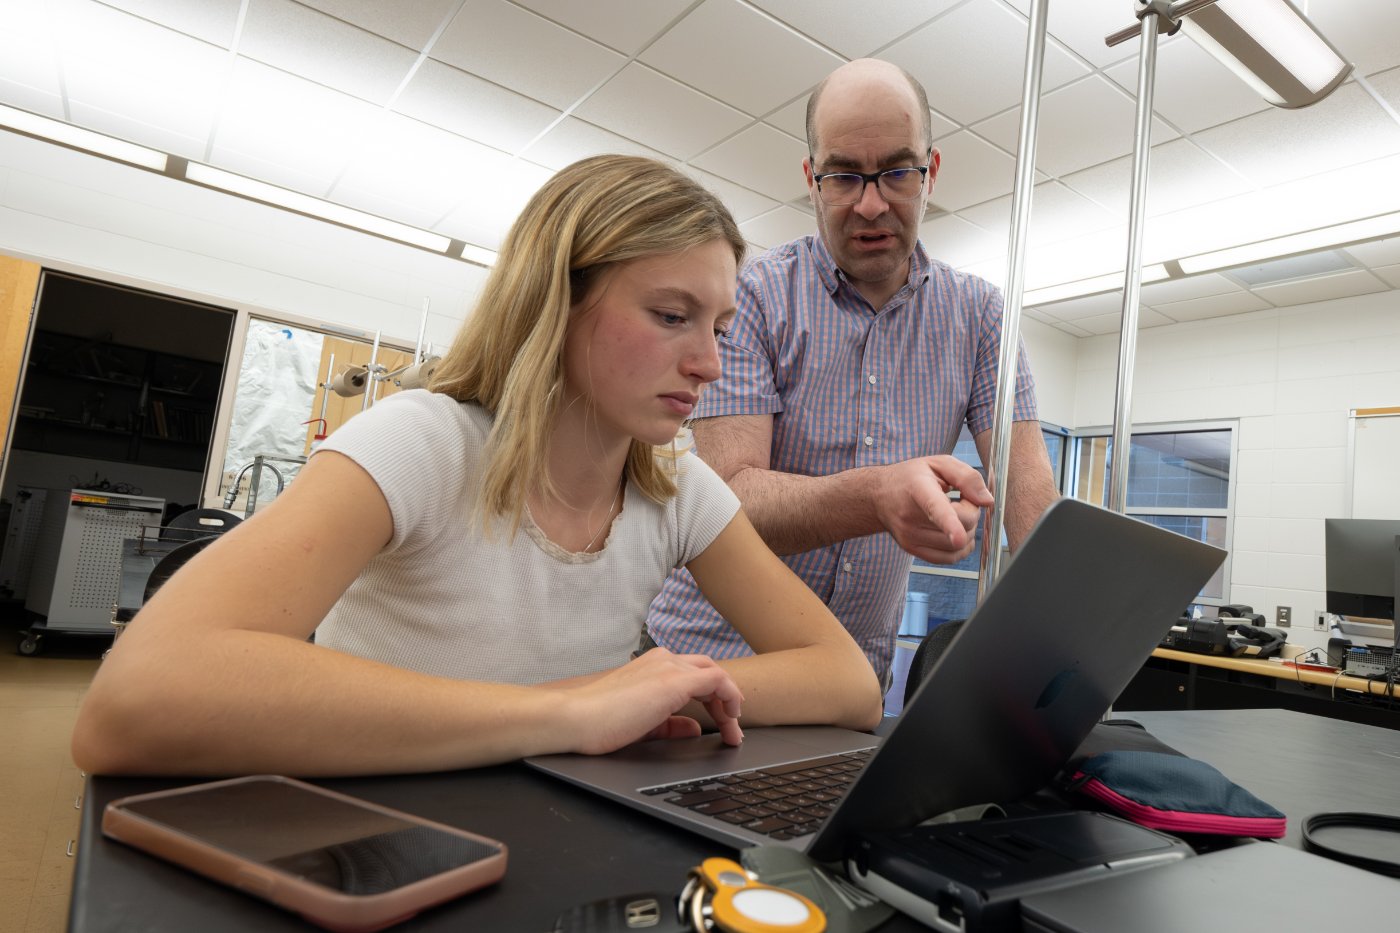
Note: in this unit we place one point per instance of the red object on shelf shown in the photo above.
(320, 435)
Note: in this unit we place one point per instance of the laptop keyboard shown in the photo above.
(784, 801)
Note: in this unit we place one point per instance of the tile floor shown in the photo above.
(40, 789)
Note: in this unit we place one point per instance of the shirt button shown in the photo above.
(873, 380)
(869, 441)
(848, 566)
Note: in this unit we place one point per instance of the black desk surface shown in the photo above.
(568, 846)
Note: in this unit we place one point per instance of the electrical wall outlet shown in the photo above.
(1284, 616)
(1320, 621)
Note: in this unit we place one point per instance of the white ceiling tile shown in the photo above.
(972, 61)
(276, 118)
(1112, 323)
(210, 20)
(120, 64)
(1076, 309)
(1085, 256)
(490, 203)
(296, 39)
(1378, 252)
(1057, 214)
(777, 63)
(1387, 85)
(421, 167)
(761, 158)
(1198, 309)
(622, 24)
(1072, 330)
(522, 51)
(143, 134)
(1157, 294)
(1192, 89)
(970, 171)
(1179, 175)
(1390, 274)
(28, 58)
(743, 203)
(1084, 124)
(791, 119)
(469, 106)
(408, 24)
(850, 28)
(993, 270)
(314, 181)
(953, 240)
(575, 139)
(939, 127)
(374, 202)
(778, 226)
(1364, 32)
(1081, 26)
(1322, 288)
(24, 97)
(659, 112)
(1280, 145)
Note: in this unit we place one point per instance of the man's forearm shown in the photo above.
(1030, 486)
(796, 513)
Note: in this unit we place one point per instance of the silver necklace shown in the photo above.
(606, 518)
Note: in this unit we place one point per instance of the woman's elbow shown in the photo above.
(113, 735)
(95, 745)
(869, 706)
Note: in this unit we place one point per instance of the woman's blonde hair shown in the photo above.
(508, 356)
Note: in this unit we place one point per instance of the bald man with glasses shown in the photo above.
(853, 363)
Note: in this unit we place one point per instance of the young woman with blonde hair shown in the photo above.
(476, 560)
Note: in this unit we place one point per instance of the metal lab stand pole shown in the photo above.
(1132, 286)
(1015, 288)
(422, 327)
(370, 373)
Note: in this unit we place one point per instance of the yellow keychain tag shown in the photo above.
(739, 903)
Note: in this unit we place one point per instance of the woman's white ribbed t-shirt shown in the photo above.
(446, 599)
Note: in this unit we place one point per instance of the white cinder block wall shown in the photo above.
(1290, 376)
(1054, 358)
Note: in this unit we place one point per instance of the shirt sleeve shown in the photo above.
(746, 385)
(981, 405)
(420, 448)
(704, 506)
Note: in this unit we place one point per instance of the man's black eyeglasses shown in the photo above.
(894, 184)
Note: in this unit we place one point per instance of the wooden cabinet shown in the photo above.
(88, 398)
(19, 282)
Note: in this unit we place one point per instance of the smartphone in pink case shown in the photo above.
(344, 864)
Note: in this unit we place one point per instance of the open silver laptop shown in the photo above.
(1071, 620)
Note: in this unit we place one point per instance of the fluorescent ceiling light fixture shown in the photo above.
(1093, 286)
(1270, 45)
(314, 207)
(79, 138)
(479, 255)
(1322, 238)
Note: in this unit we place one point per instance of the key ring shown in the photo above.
(721, 895)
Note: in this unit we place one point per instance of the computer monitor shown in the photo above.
(1363, 567)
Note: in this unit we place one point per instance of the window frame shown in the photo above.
(1046, 427)
(1072, 475)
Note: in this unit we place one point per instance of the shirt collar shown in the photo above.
(832, 277)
